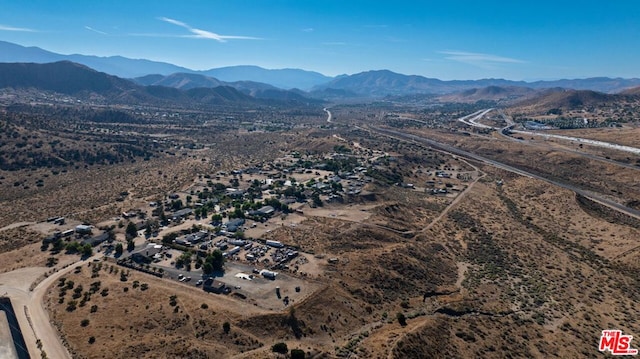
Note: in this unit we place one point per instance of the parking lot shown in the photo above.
(242, 279)
(263, 290)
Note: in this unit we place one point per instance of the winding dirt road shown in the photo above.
(328, 114)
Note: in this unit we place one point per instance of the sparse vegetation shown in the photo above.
(280, 348)
(492, 274)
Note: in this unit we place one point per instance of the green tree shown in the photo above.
(163, 218)
(169, 238)
(130, 245)
(73, 247)
(297, 354)
(280, 348)
(58, 245)
(176, 205)
(207, 268)
(401, 319)
(119, 249)
(226, 327)
(315, 197)
(131, 231)
(216, 218)
(213, 262)
(52, 261)
(87, 250)
(184, 260)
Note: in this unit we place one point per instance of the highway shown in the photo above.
(614, 146)
(475, 117)
(510, 124)
(453, 150)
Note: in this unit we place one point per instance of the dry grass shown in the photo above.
(522, 270)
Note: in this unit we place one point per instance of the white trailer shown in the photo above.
(275, 244)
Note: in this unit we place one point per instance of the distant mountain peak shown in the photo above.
(373, 83)
(179, 89)
(131, 68)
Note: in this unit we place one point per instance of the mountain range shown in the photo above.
(188, 81)
(130, 68)
(78, 80)
(265, 83)
(385, 82)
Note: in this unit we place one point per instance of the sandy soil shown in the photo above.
(32, 317)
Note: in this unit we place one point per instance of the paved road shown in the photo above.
(614, 146)
(479, 114)
(472, 118)
(611, 204)
(510, 125)
(328, 114)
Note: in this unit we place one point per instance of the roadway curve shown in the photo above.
(30, 308)
(510, 124)
(472, 118)
(453, 150)
(328, 114)
(509, 129)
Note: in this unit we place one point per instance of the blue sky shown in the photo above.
(516, 40)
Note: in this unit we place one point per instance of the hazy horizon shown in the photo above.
(460, 41)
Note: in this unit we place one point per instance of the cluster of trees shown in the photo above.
(282, 348)
(345, 164)
(214, 262)
(76, 247)
(59, 244)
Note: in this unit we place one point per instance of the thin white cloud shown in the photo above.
(204, 34)
(479, 59)
(13, 28)
(334, 43)
(308, 29)
(150, 34)
(175, 22)
(96, 31)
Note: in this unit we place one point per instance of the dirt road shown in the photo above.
(29, 308)
(16, 225)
